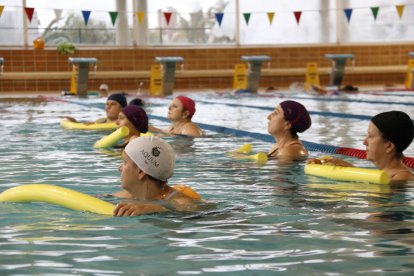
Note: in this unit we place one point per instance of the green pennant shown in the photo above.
(375, 12)
(113, 15)
(246, 17)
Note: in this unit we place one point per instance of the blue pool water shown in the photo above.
(260, 220)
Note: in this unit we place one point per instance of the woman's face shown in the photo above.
(277, 122)
(112, 109)
(123, 121)
(129, 172)
(375, 144)
(175, 110)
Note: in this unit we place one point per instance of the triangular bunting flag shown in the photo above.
(297, 14)
(167, 16)
(86, 15)
(348, 13)
(1, 9)
(58, 13)
(219, 17)
(140, 16)
(29, 13)
(270, 16)
(374, 11)
(113, 16)
(246, 17)
(400, 10)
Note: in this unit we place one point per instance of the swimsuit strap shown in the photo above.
(171, 195)
(290, 144)
(273, 151)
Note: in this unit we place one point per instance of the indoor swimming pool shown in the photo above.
(259, 220)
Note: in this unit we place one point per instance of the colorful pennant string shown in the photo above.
(86, 15)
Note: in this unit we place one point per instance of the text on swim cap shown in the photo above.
(149, 158)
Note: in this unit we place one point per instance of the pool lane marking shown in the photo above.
(321, 113)
(331, 99)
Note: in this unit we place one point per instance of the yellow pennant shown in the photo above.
(140, 16)
(1, 10)
(270, 16)
(400, 10)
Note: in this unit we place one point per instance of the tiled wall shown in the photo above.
(17, 60)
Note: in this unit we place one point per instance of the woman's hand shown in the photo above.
(329, 161)
(124, 209)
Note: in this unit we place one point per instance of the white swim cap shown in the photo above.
(103, 86)
(153, 156)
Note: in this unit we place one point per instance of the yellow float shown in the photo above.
(188, 191)
(64, 123)
(241, 154)
(349, 173)
(57, 195)
(112, 139)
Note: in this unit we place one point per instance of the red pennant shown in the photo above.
(167, 16)
(297, 16)
(29, 13)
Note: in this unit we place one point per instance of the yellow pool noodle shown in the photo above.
(57, 195)
(64, 123)
(112, 139)
(349, 173)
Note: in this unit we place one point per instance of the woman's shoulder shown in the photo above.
(403, 175)
(294, 148)
(191, 129)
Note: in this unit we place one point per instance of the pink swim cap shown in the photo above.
(188, 104)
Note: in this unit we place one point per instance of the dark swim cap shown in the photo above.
(397, 127)
(297, 115)
(137, 101)
(120, 98)
(137, 116)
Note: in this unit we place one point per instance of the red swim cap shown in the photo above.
(188, 104)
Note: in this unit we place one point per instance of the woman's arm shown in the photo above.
(330, 161)
(125, 209)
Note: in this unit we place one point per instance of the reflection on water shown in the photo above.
(256, 219)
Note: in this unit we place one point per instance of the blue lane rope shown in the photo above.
(347, 100)
(255, 135)
(320, 113)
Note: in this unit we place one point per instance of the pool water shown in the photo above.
(260, 219)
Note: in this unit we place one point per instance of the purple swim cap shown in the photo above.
(137, 116)
(297, 115)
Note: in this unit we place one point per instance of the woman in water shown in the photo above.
(148, 163)
(135, 119)
(180, 112)
(288, 118)
(389, 134)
